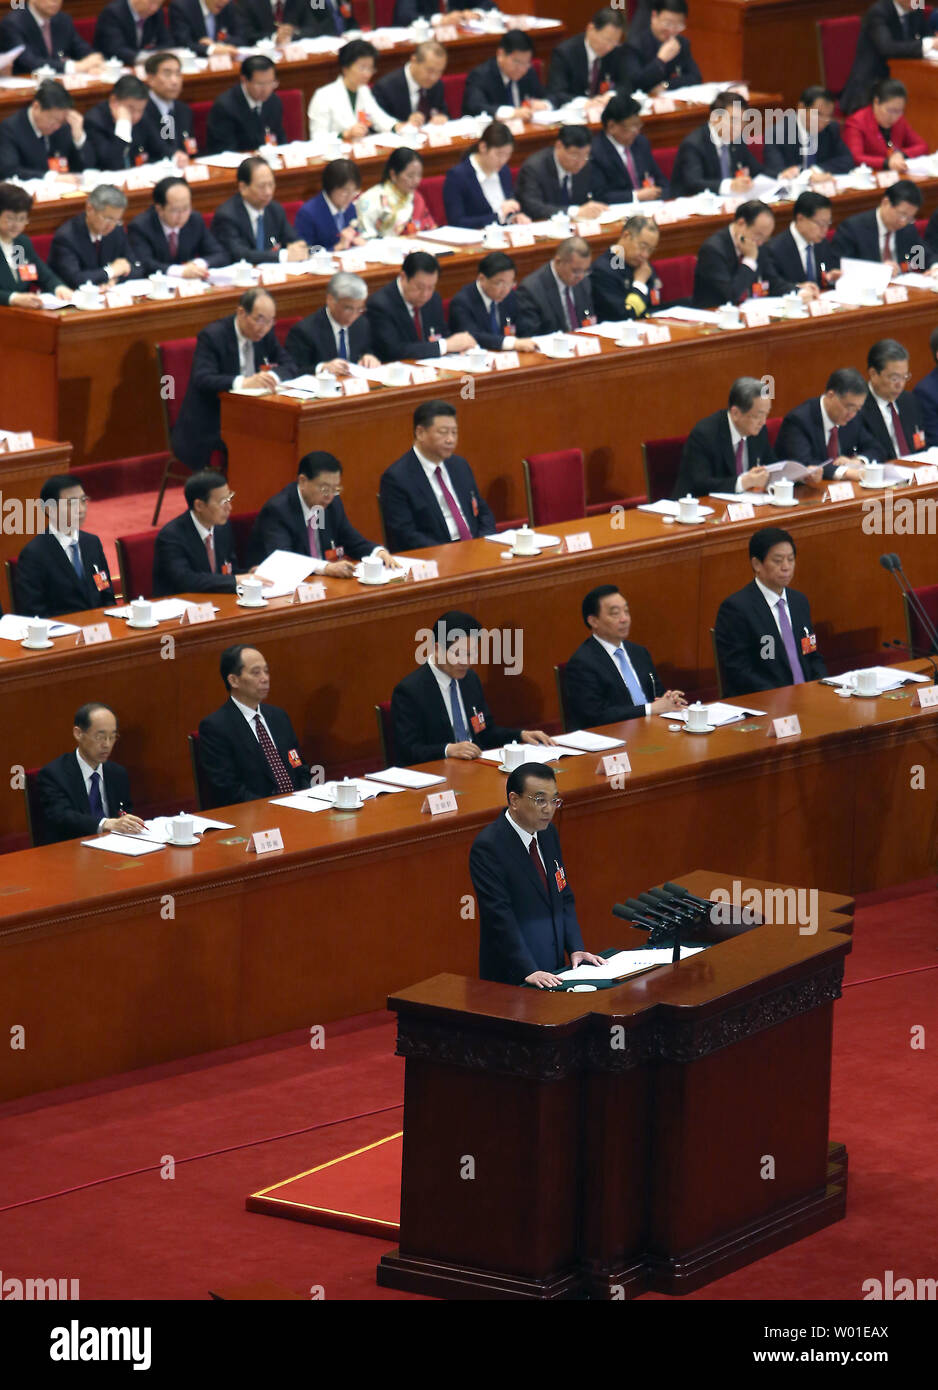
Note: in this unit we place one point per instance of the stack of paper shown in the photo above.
(623, 963)
(542, 540)
(719, 713)
(285, 569)
(585, 741)
(13, 628)
(405, 777)
(887, 678)
(160, 828)
(132, 845)
(533, 753)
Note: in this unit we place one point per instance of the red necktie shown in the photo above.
(833, 444)
(312, 531)
(887, 248)
(901, 440)
(278, 768)
(571, 308)
(47, 35)
(418, 326)
(173, 243)
(464, 533)
(594, 77)
(210, 552)
(630, 166)
(538, 863)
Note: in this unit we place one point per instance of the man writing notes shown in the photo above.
(716, 157)
(252, 226)
(195, 552)
(247, 748)
(83, 792)
(527, 913)
(887, 233)
(249, 115)
(63, 570)
(609, 678)
(728, 450)
(440, 709)
(802, 253)
(557, 298)
(829, 430)
(406, 316)
(764, 636)
(814, 143)
(336, 334)
(562, 178)
(507, 83)
(429, 495)
(488, 306)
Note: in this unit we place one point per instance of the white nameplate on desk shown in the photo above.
(422, 376)
(197, 173)
(190, 289)
(293, 159)
(841, 492)
(263, 841)
(739, 511)
(447, 33)
(895, 294)
(361, 150)
(580, 540)
(423, 569)
(436, 802)
(502, 361)
(91, 635)
(786, 727)
(273, 275)
(586, 345)
(520, 236)
(118, 299)
(756, 318)
(818, 308)
(354, 386)
(826, 187)
(885, 178)
(294, 53)
(927, 696)
(516, 125)
(198, 613)
(437, 137)
(588, 226)
(656, 332)
(15, 442)
(309, 593)
(613, 764)
(219, 62)
(928, 473)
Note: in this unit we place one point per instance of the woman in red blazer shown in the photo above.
(878, 135)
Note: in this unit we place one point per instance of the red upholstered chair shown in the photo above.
(676, 274)
(363, 12)
(664, 158)
(175, 363)
(538, 66)
(383, 11)
(772, 428)
(920, 224)
(200, 110)
(35, 820)
(85, 28)
(918, 638)
(559, 672)
(242, 524)
(205, 797)
(837, 46)
(454, 84)
(662, 459)
(446, 304)
(282, 328)
(432, 191)
(135, 562)
(554, 486)
(386, 733)
(294, 114)
(43, 244)
(291, 209)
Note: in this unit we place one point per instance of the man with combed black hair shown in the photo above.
(83, 792)
(587, 64)
(892, 414)
(609, 678)
(715, 157)
(828, 432)
(429, 495)
(64, 569)
(406, 316)
(195, 552)
(734, 265)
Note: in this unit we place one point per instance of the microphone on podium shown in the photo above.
(893, 564)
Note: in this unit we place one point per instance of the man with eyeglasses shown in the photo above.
(887, 233)
(195, 552)
(337, 333)
(527, 913)
(308, 517)
(84, 793)
(892, 414)
(829, 433)
(440, 709)
(63, 570)
(802, 254)
(242, 350)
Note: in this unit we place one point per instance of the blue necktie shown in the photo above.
(210, 25)
(259, 239)
(810, 263)
(493, 317)
(336, 17)
(343, 344)
(74, 554)
(460, 732)
(724, 162)
(629, 676)
(95, 804)
(509, 95)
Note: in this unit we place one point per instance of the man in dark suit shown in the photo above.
(890, 29)
(716, 157)
(828, 432)
(48, 38)
(505, 81)
(168, 119)
(623, 279)
(47, 134)
(557, 298)
(892, 414)
(308, 517)
(62, 570)
(813, 141)
(527, 913)
(622, 157)
(416, 89)
(128, 27)
(299, 19)
(84, 793)
(249, 115)
(406, 316)
(252, 226)
(118, 136)
(440, 710)
(561, 178)
(406, 11)
(206, 26)
(887, 233)
(195, 552)
(764, 636)
(733, 264)
(92, 247)
(658, 58)
(242, 350)
(429, 496)
(609, 678)
(926, 393)
(728, 451)
(587, 64)
(171, 237)
(488, 307)
(802, 253)
(335, 335)
(247, 748)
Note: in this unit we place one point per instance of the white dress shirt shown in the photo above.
(331, 111)
(773, 600)
(87, 771)
(508, 339)
(250, 715)
(445, 682)
(526, 836)
(430, 470)
(735, 437)
(66, 540)
(491, 186)
(609, 648)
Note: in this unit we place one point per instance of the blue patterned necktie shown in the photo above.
(629, 676)
(460, 732)
(259, 239)
(95, 804)
(74, 554)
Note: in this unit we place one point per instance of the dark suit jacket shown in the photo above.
(644, 69)
(19, 27)
(231, 227)
(523, 927)
(195, 242)
(178, 130)
(46, 283)
(858, 236)
(110, 152)
(233, 761)
(316, 224)
(785, 259)
(23, 153)
(64, 800)
(910, 417)
(485, 89)
(750, 662)
(539, 190)
(569, 74)
(542, 310)
(930, 239)
(214, 367)
(697, 164)
(467, 314)
(180, 560)
(392, 327)
(308, 20)
(280, 526)
(831, 154)
(615, 295)
(594, 690)
(801, 437)
(613, 173)
(465, 203)
(233, 125)
(926, 393)
(115, 34)
(187, 25)
(74, 256)
(422, 721)
(312, 341)
(882, 37)
(866, 142)
(406, 11)
(708, 463)
(47, 585)
(393, 96)
(720, 275)
(412, 517)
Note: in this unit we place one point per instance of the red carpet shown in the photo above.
(359, 1191)
(123, 515)
(136, 1186)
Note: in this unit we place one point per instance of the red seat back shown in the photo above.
(555, 486)
(384, 13)
(135, 561)
(200, 110)
(772, 428)
(918, 638)
(432, 192)
(664, 158)
(363, 13)
(43, 244)
(454, 84)
(676, 274)
(85, 27)
(291, 209)
(837, 46)
(175, 360)
(294, 114)
(662, 459)
(242, 524)
(282, 328)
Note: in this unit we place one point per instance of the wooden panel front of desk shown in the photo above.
(921, 81)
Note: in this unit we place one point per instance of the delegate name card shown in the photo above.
(198, 613)
(614, 764)
(927, 696)
(841, 492)
(309, 593)
(786, 727)
(91, 635)
(436, 802)
(739, 511)
(263, 841)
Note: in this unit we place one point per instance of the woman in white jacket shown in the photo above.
(346, 106)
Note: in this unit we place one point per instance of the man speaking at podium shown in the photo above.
(527, 915)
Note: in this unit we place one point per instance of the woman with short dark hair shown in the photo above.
(23, 276)
(395, 206)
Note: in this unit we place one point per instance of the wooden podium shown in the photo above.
(652, 1136)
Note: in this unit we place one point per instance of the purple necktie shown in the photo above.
(95, 804)
(571, 308)
(788, 642)
(740, 458)
(464, 533)
(901, 440)
(312, 531)
(630, 166)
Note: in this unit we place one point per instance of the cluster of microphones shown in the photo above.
(893, 564)
(667, 914)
